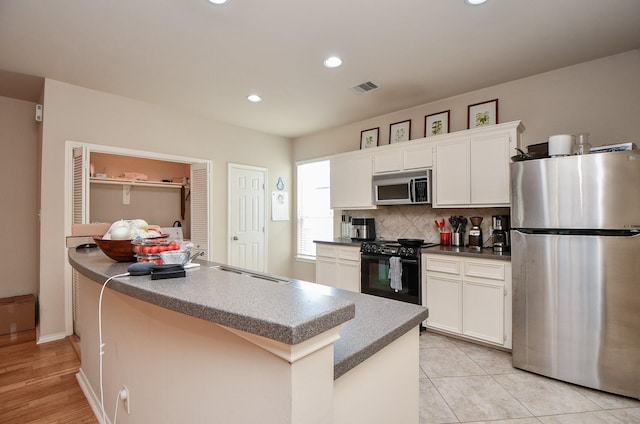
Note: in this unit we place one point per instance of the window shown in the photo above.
(315, 216)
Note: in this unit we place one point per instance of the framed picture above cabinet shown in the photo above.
(481, 114)
(369, 138)
(400, 131)
(436, 123)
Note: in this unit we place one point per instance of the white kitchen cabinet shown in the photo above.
(417, 156)
(469, 297)
(351, 181)
(472, 167)
(414, 154)
(490, 156)
(338, 266)
(445, 313)
(451, 174)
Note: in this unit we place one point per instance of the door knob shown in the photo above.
(235, 237)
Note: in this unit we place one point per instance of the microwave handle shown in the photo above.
(411, 190)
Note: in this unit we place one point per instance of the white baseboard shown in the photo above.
(92, 398)
(51, 338)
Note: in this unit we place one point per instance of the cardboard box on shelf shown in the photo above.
(83, 233)
(89, 229)
(17, 313)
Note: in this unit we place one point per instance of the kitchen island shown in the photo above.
(237, 347)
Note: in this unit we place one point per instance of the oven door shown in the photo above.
(374, 278)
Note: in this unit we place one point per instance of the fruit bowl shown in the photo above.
(120, 250)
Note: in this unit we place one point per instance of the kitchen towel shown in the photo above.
(395, 273)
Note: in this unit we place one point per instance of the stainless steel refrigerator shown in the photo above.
(576, 269)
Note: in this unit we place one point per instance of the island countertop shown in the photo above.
(287, 310)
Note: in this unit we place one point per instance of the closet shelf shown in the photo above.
(124, 181)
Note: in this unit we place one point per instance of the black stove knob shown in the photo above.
(410, 251)
(402, 251)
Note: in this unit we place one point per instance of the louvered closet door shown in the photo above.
(80, 214)
(199, 186)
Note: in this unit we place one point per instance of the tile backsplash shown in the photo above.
(417, 221)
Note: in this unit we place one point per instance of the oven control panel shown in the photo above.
(385, 249)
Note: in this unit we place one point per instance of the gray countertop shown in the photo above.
(340, 241)
(484, 253)
(290, 312)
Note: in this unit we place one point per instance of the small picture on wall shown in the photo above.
(400, 131)
(481, 114)
(369, 138)
(436, 124)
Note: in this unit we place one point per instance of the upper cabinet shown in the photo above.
(472, 167)
(414, 154)
(351, 180)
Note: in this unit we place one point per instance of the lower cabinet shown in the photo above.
(469, 297)
(338, 266)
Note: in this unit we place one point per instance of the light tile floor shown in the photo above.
(461, 382)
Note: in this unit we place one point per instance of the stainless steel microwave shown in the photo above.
(402, 188)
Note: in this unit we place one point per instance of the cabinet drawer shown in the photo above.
(444, 264)
(349, 253)
(493, 270)
(326, 250)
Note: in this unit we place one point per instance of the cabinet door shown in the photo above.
(444, 299)
(351, 181)
(389, 160)
(483, 310)
(339, 174)
(327, 271)
(361, 195)
(452, 173)
(490, 158)
(349, 275)
(417, 157)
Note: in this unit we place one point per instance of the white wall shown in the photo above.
(19, 196)
(601, 97)
(79, 114)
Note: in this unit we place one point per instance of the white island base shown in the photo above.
(181, 369)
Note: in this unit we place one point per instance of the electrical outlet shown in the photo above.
(125, 396)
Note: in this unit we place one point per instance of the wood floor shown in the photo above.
(38, 383)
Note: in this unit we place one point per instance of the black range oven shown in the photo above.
(379, 276)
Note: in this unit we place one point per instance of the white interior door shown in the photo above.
(247, 235)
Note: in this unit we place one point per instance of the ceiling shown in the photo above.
(205, 59)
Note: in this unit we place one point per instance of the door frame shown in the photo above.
(230, 167)
(68, 200)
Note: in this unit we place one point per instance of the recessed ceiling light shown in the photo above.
(332, 62)
(475, 2)
(218, 1)
(254, 98)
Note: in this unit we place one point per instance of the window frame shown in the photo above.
(298, 255)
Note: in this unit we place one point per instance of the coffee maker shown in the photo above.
(501, 235)
(475, 233)
(363, 229)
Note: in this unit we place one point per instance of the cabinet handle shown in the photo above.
(235, 238)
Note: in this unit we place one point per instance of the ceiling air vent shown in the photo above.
(365, 87)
